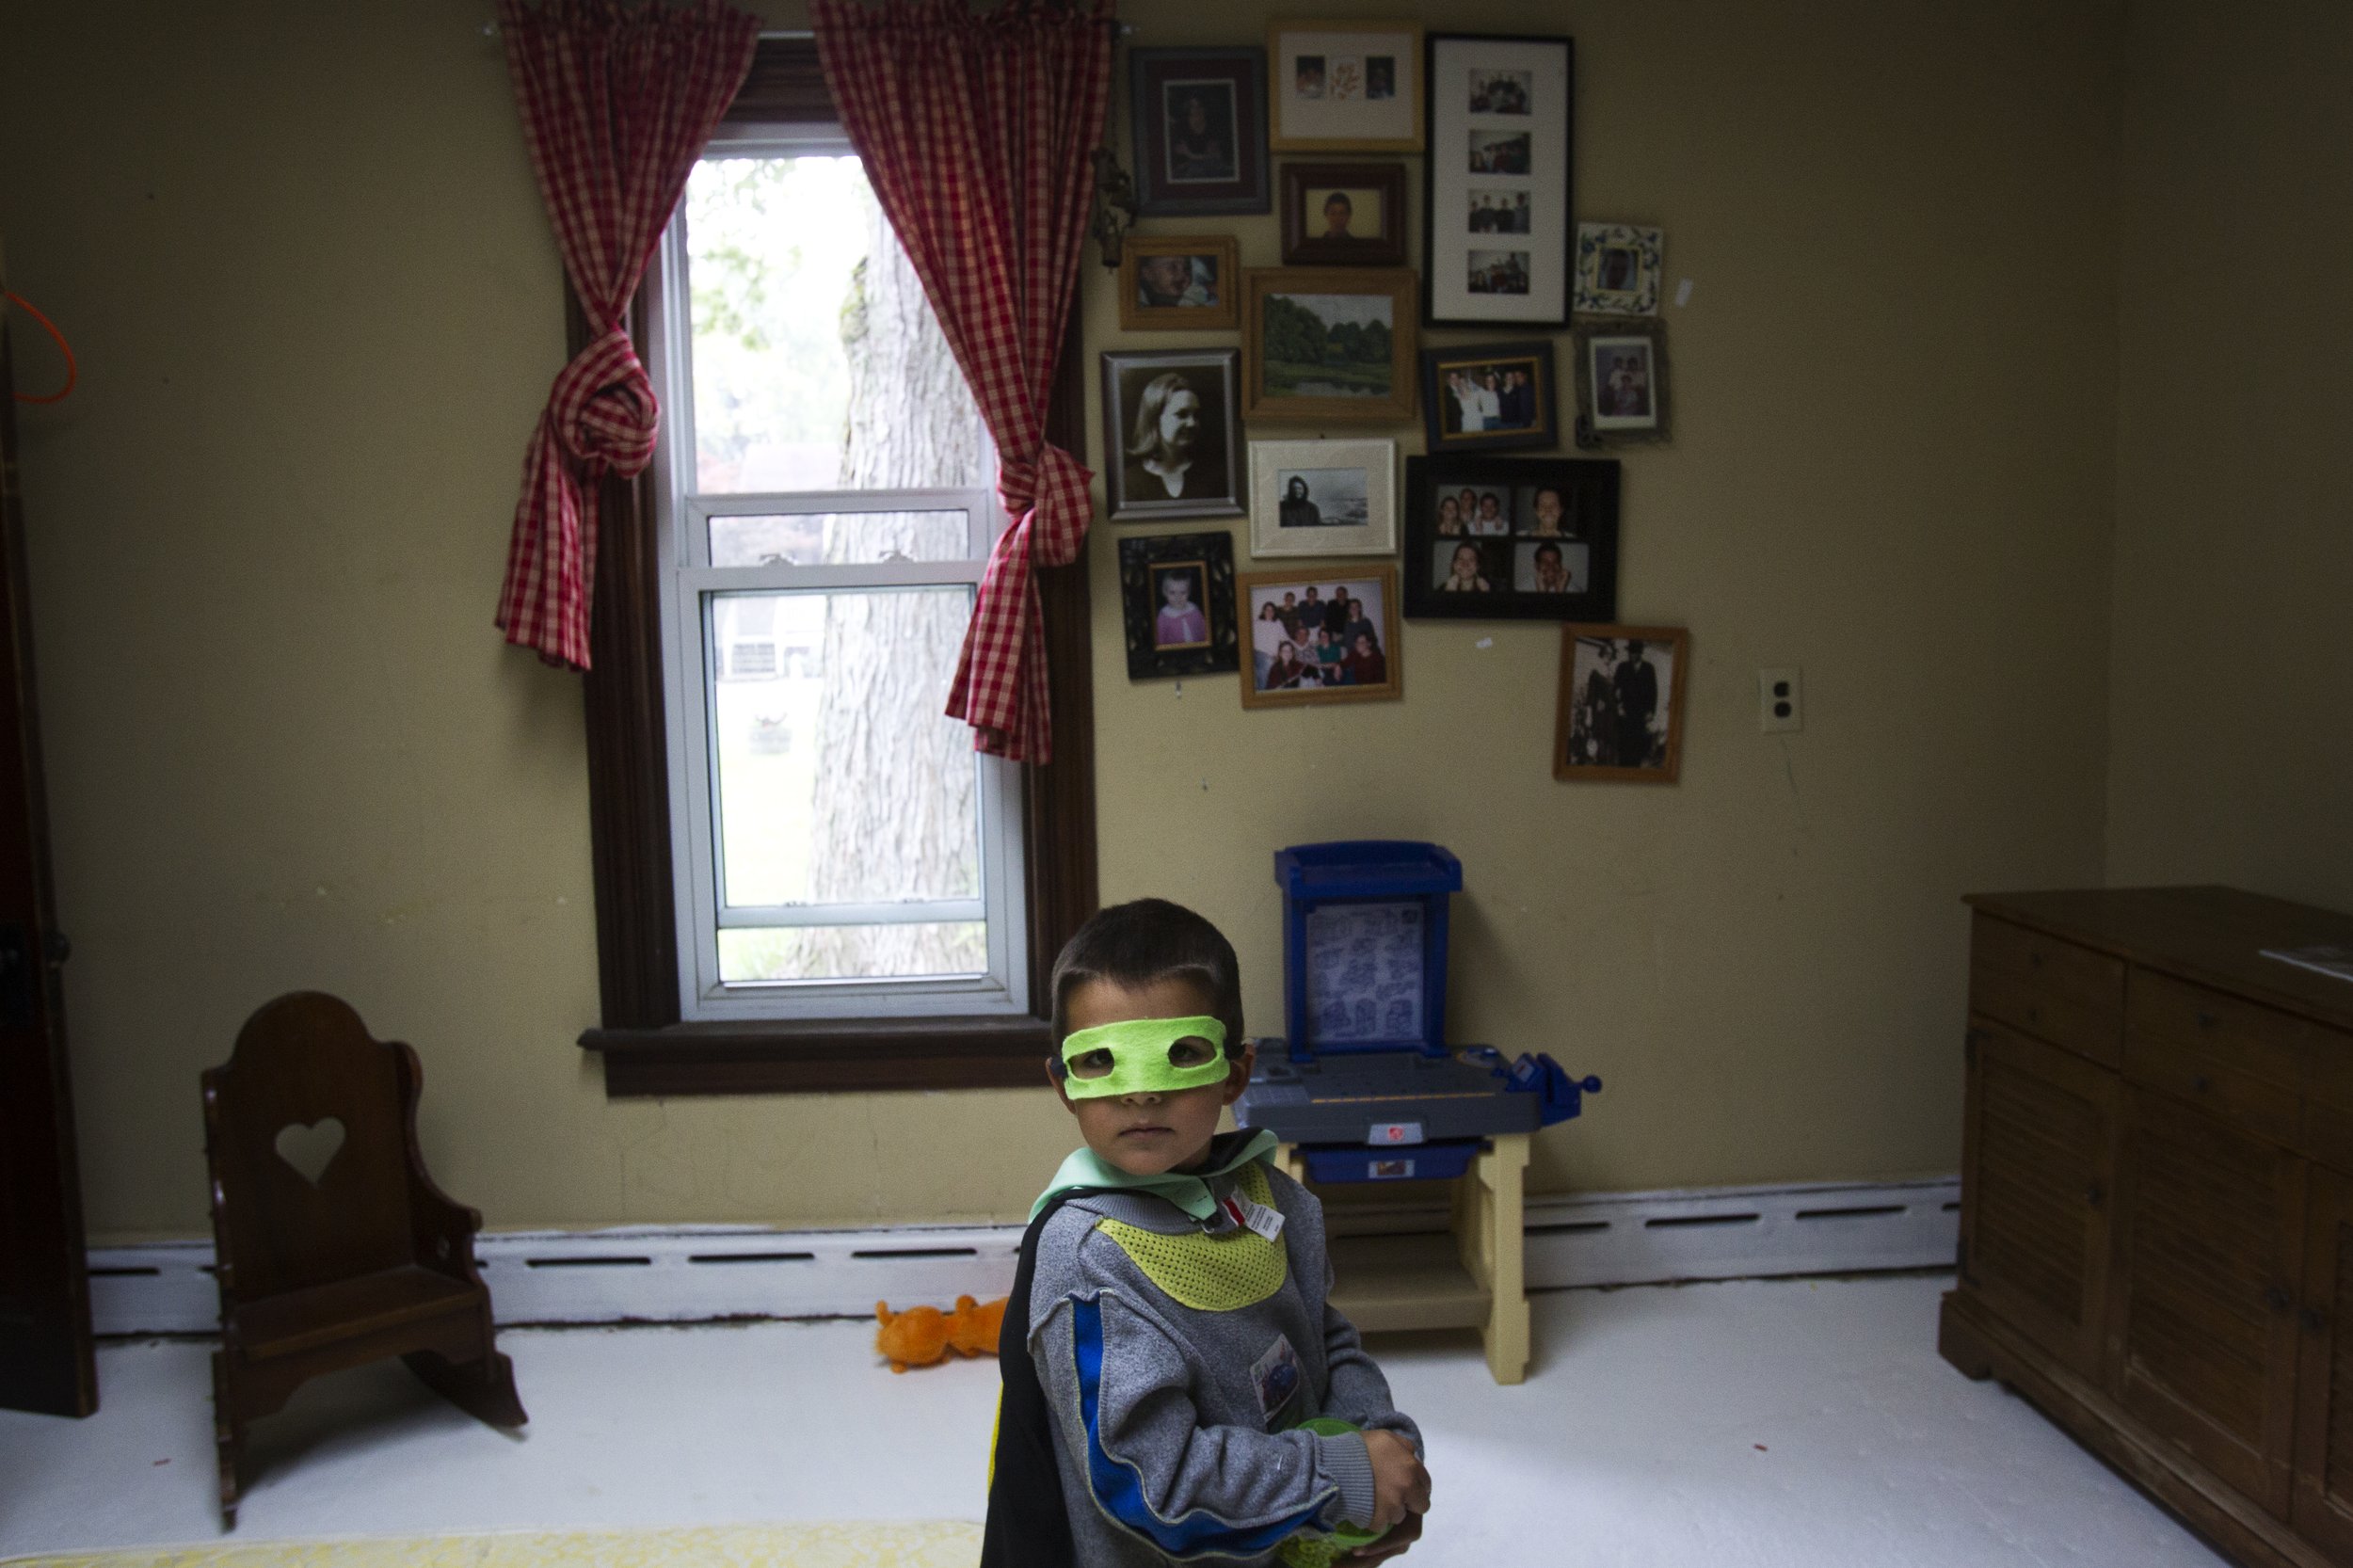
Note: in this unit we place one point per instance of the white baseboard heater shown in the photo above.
(719, 1274)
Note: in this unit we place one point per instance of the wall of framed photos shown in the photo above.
(1861, 481)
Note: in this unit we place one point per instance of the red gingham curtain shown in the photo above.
(616, 105)
(976, 131)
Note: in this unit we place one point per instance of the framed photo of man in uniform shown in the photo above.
(1172, 434)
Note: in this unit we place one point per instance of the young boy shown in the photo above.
(1168, 1331)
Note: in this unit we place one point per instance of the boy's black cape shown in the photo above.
(1027, 1526)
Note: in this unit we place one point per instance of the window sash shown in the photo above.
(688, 651)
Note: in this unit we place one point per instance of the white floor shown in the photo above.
(1745, 1425)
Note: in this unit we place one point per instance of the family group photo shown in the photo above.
(1320, 635)
(1497, 395)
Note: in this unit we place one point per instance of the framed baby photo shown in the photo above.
(1621, 703)
(1510, 538)
(1177, 283)
(1322, 498)
(1343, 215)
(1176, 600)
(1618, 267)
(1325, 637)
(1621, 381)
(1345, 87)
(1197, 123)
(1496, 223)
(1172, 438)
(1328, 343)
(1490, 397)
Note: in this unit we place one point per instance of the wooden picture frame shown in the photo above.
(1376, 237)
(1498, 231)
(1344, 87)
(1197, 123)
(1517, 388)
(1621, 382)
(1542, 535)
(1593, 724)
(1139, 387)
(1155, 296)
(1151, 567)
(1327, 311)
(1255, 590)
(1331, 482)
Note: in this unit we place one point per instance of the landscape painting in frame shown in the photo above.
(1328, 343)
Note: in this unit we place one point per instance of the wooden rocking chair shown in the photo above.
(332, 1245)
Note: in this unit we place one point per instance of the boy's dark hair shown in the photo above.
(1137, 943)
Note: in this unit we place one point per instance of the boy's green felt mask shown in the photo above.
(1144, 1056)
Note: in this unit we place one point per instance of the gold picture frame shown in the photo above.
(1268, 682)
(1596, 719)
(1344, 87)
(1141, 286)
(1309, 311)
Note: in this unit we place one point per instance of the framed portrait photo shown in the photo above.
(1343, 215)
(1510, 538)
(1496, 222)
(1621, 381)
(1490, 397)
(1198, 127)
(1327, 636)
(1618, 267)
(1346, 86)
(1176, 599)
(1177, 283)
(1322, 498)
(1172, 436)
(1621, 703)
(1322, 343)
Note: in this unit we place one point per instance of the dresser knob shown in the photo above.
(2276, 1299)
(2313, 1320)
(2095, 1194)
(2207, 1020)
(2035, 960)
(2202, 1083)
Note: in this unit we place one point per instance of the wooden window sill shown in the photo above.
(822, 1056)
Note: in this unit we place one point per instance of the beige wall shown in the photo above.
(300, 253)
(2231, 705)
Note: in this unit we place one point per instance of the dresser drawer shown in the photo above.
(2218, 1083)
(2057, 991)
(2260, 1040)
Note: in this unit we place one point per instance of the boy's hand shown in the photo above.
(1400, 1484)
(1390, 1545)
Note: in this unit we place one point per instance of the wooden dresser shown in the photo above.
(2156, 1212)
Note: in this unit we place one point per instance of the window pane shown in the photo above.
(818, 363)
(841, 538)
(840, 780)
(925, 952)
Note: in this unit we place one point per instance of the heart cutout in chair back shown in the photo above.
(311, 1148)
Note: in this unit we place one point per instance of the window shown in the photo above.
(824, 503)
(806, 877)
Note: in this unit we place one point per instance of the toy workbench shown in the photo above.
(1362, 1087)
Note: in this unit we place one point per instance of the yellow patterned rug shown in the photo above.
(940, 1544)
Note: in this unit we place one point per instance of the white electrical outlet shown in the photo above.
(1780, 700)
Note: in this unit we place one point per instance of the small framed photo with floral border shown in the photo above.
(1621, 381)
(1621, 703)
(1176, 603)
(1618, 267)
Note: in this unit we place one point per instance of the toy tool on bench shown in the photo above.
(1363, 1080)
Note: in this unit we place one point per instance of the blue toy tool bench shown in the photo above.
(1363, 1087)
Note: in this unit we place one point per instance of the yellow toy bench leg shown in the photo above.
(1489, 1230)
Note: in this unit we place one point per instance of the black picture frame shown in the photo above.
(1532, 417)
(1547, 242)
(1145, 562)
(1174, 177)
(1581, 530)
(1214, 376)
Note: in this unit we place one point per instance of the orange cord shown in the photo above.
(71, 373)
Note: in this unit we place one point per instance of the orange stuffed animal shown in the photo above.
(922, 1334)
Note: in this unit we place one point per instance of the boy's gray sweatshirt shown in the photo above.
(1179, 1357)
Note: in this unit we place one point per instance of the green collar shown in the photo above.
(1188, 1189)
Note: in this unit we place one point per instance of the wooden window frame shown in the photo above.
(645, 1047)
